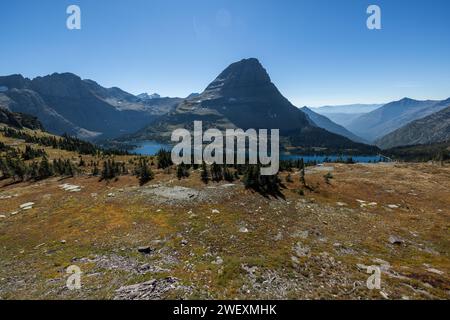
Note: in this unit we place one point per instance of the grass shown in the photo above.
(33, 258)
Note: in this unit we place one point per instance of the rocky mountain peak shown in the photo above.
(14, 81)
(242, 74)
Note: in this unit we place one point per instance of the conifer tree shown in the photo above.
(204, 173)
(216, 172)
(45, 169)
(144, 172)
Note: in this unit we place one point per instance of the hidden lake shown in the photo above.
(150, 148)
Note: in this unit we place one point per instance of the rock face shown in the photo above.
(432, 129)
(67, 104)
(19, 120)
(374, 125)
(243, 96)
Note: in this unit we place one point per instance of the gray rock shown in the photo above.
(396, 240)
(155, 289)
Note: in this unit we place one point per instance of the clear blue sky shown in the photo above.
(317, 52)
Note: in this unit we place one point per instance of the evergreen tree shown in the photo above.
(164, 159)
(182, 171)
(204, 173)
(144, 172)
(45, 169)
(227, 175)
(5, 169)
(95, 170)
(34, 171)
(251, 177)
(68, 168)
(216, 172)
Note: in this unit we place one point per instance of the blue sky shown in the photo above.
(317, 52)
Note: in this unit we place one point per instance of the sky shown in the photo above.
(317, 52)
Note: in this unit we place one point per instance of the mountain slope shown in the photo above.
(434, 128)
(325, 123)
(30, 102)
(19, 120)
(243, 96)
(375, 124)
(67, 104)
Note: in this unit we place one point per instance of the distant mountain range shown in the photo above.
(347, 108)
(344, 114)
(67, 104)
(325, 123)
(392, 116)
(434, 128)
(243, 96)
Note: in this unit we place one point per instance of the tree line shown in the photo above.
(65, 142)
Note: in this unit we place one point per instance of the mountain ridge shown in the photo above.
(65, 103)
(434, 128)
(391, 116)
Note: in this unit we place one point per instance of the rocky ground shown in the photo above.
(183, 239)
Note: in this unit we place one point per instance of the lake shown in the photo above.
(150, 148)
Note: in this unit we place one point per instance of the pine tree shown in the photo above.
(95, 170)
(216, 172)
(5, 169)
(106, 171)
(34, 171)
(204, 173)
(252, 177)
(144, 172)
(68, 168)
(227, 175)
(182, 171)
(164, 159)
(45, 169)
(302, 172)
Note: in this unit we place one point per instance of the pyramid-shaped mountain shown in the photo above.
(243, 96)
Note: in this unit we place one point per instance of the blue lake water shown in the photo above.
(150, 148)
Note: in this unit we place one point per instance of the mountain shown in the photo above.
(325, 123)
(145, 96)
(19, 120)
(67, 104)
(348, 108)
(388, 118)
(434, 128)
(29, 102)
(345, 114)
(243, 96)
